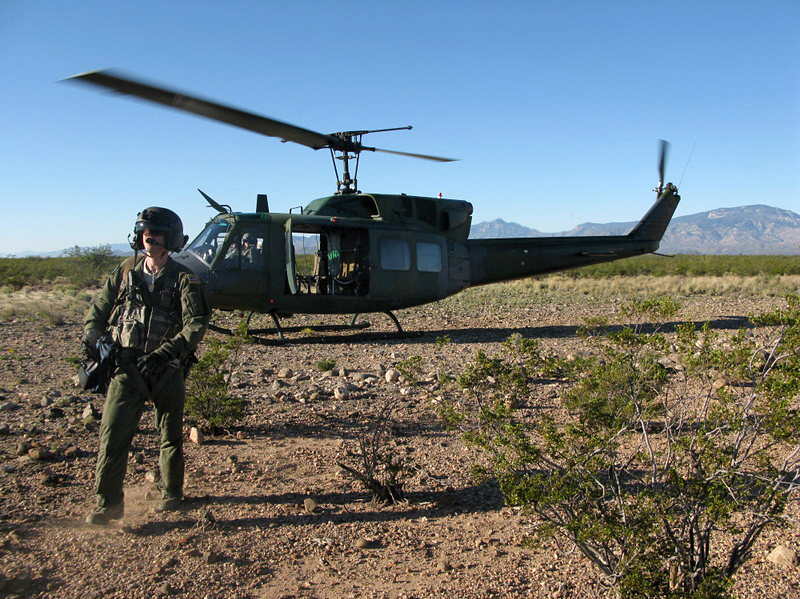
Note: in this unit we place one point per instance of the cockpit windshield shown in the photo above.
(209, 243)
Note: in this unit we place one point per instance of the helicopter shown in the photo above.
(357, 253)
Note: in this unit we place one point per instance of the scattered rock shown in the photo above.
(783, 557)
(22, 448)
(71, 451)
(55, 413)
(310, 505)
(392, 375)
(8, 406)
(196, 435)
(285, 373)
(152, 476)
(168, 563)
(89, 412)
(206, 521)
(48, 479)
(39, 454)
(210, 557)
(367, 543)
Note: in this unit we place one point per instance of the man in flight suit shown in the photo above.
(157, 313)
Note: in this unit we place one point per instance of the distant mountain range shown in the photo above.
(755, 229)
(118, 249)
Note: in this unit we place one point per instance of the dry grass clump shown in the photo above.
(565, 288)
(672, 285)
(53, 307)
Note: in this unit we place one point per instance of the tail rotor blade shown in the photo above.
(663, 150)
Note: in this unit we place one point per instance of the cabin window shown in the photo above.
(395, 254)
(429, 257)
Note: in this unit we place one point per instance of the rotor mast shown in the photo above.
(350, 149)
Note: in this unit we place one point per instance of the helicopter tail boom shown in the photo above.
(494, 260)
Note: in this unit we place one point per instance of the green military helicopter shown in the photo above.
(354, 252)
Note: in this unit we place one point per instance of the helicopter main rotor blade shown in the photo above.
(423, 156)
(212, 110)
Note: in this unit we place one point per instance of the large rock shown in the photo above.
(196, 435)
(89, 412)
(783, 557)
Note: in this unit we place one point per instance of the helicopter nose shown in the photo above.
(193, 263)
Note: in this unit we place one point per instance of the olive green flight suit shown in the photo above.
(171, 321)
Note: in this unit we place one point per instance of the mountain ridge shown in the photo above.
(755, 229)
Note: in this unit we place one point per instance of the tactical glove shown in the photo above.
(153, 367)
(89, 345)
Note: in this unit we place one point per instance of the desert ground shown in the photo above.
(269, 513)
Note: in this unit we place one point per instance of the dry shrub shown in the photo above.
(53, 307)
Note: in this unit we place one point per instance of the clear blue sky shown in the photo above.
(553, 107)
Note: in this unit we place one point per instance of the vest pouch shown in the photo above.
(130, 329)
(163, 325)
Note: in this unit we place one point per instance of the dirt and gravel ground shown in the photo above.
(246, 530)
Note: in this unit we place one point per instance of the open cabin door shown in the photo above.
(326, 260)
(291, 271)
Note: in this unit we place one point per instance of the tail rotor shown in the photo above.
(663, 150)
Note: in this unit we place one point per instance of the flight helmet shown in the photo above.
(159, 219)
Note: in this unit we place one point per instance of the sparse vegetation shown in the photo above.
(78, 269)
(254, 480)
(375, 461)
(326, 364)
(208, 398)
(442, 341)
(410, 368)
(52, 307)
(667, 456)
(687, 265)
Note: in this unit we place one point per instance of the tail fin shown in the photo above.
(655, 222)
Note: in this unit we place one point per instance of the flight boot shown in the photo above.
(103, 515)
(169, 504)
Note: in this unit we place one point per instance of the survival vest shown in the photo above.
(141, 319)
